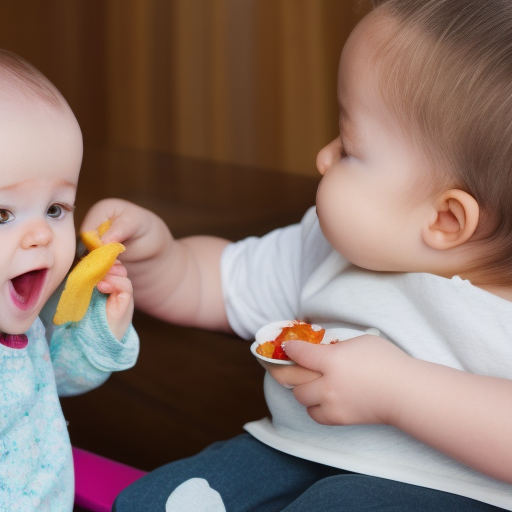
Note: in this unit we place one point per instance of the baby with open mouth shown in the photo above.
(40, 159)
(27, 287)
(25, 290)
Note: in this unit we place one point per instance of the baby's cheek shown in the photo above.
(66, 252)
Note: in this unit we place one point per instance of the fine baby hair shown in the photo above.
(18, 73)
(445, 70)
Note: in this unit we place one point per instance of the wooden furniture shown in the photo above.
(249, 81)
(160, 411)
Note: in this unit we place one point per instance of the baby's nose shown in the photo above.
(328, 155)
(37, 234)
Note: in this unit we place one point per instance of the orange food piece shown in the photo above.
(266, 349)
(89, 271)
(300, 331)
(297, 331)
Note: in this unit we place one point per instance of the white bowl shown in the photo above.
(270, 332)
(255, 344)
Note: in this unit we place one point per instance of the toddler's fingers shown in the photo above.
(309, 394)
(119, 313)
(118, 269)
(118, 304)
(100, 212)
(115, 284)
(306, 354)
(119, 212)
(291, 376)
(105, 287)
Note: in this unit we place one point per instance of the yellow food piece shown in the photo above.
(104, 227)
(90, 270)
(80, 284)
(92, 239)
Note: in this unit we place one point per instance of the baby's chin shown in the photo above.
(10, 326)
(19, 322)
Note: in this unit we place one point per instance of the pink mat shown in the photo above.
(99, 480)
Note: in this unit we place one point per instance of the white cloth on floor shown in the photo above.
(195, 495)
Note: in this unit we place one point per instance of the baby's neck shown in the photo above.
(505, 292)
(481, 281)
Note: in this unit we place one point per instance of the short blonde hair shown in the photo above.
(445, 71)
(16, 72)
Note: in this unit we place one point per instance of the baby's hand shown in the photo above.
(120, 301)
(360, 380)
(139, 230)
(289, 376)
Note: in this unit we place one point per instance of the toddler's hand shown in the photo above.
(120, 301)
(139, 230)
(289, 376)
(359, 382)
(175, 280)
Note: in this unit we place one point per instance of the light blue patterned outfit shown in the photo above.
(36, 466)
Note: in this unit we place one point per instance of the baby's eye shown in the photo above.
(6, 216)
(57, 210)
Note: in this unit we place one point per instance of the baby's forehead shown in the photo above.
(19, 106)
(362, 57)
(361, 68)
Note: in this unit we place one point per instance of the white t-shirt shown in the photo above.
(294, 273)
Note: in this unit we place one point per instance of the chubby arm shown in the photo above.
(368, 380)
(175, 280)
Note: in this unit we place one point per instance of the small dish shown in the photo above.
(268, 359)
(271, 331)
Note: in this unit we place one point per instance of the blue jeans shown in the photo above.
(251, 476)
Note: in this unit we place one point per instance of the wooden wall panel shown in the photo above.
(65, 40)
(250, 82)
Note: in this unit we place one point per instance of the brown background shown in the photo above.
(250, 82)
(209, 112)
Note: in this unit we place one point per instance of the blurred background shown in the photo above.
(250, 82)
(211, 113)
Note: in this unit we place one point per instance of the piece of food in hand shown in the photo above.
(90, 270)
(297, 330)
(92, 239)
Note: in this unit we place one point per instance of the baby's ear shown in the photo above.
(454, 220)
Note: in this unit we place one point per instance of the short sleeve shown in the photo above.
(262, 278)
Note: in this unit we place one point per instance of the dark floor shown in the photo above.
(190, 387)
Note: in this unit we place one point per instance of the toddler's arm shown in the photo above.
(175, 280)
(368, 380)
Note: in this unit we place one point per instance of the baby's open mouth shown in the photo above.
(27, 287)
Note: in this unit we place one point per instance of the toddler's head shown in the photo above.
(434, 78)
(40, 159)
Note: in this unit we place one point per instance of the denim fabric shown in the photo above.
(251, 476)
